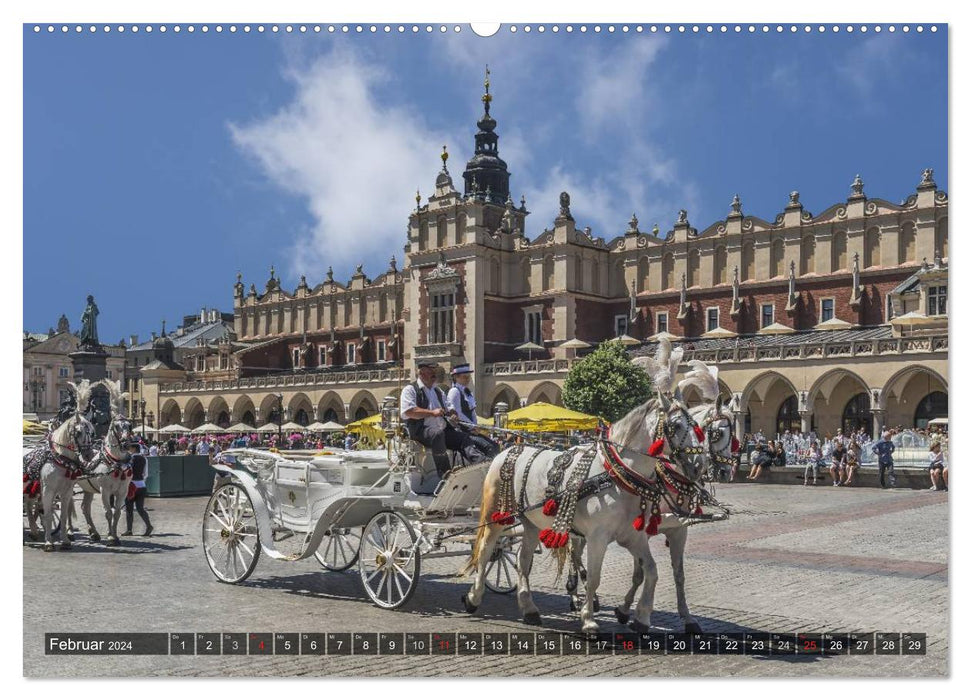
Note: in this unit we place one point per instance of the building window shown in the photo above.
(768, 315)
(441, 326)
(296, 358)
(620, 325)
(534, 327)
(62, 372)
(110, 374)
(351, 354)
(712, 314)
(662, 322)
(38, 371)
(936, 301)
(826, 307)
(381, 350)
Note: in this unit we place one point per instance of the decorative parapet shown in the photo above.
(438, 350)
(365, 376)
(524, 367)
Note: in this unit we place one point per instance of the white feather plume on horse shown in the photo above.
(116, 395)
(82, 392)
(702, 377)
(663, 367)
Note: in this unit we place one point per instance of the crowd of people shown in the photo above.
(841, 455)
(212, 445)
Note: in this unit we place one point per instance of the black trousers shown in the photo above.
(137, 503)
(886, 469)
(440, 439)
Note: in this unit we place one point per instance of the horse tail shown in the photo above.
(485, 509)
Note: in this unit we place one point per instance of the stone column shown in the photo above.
(348, 418)
(805, 424)
(879, 419)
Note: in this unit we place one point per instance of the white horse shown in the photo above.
(635, 499)
(109, 472)
(68, 446)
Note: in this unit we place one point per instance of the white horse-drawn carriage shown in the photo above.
(347, 507)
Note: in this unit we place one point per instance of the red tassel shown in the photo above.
(503, 518)
(564, 538)
(699, 433)
(546, 537)
(550, 507)
(114, 474)
(26, 489)
(638, 522)
(656, 447)
(26, 478)
(698, 510)
(652, 524)
(34, 488)
(735, 445)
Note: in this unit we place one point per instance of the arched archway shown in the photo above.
(218, 412)
(857, 415)
(904, 392)
(838, 259)
(932, 406)
(270, 410)
(787, 418)
(243, 407)
(169, 414)
(764, 396)
(505, 394)
(547, 392)
(331, 408)
(777, 254)
(193, 414)
(301, 409)
(828, 396)
(363, 405)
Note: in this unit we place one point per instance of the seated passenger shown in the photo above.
(462, 402)
(424, 409)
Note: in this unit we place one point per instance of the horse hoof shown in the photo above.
(640, 627)
(111, 541)
(469, 608)
(48, 547)
(95, 537)
(533, 618)
(591, 629)
(65, 546)
(622, 617)
(692, 628)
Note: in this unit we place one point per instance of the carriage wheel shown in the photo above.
(500, 573)
(229, 534)
(390, 560)
(339, 548)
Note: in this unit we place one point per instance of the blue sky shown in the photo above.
(157, 166)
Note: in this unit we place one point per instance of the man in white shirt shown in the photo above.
(461, 400)
(203, 447)
(423, 409)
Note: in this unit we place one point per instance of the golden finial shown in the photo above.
(444, 155)
(486, 98)
(418, 198)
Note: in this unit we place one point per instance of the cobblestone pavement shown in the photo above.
(790, 559)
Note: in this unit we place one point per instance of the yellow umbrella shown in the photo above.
(547, 418)
(32, 428)
(369, 428)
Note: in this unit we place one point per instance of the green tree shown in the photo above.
(606, 383)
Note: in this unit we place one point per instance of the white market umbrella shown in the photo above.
(240, 428)
(206, 429)
(719, 332)
(833, 324)
(626, 340)
(664, 334)
(292, 427)
(575, 344)
(529, 348)
(776, 329)
(268, 428)
(328, 427)
(174, 428)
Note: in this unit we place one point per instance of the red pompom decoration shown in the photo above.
(699, 433)
(652, 524)
(26, 478)
(114, 474)
(503, 518)
(735, 445)
(550, 507)
(545, 536)
(563, 539)
(638, 523)
(34, 488)
(656, 447)
(698, 510)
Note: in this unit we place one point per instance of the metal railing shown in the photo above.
(362, 376)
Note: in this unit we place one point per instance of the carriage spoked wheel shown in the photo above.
(501, 576)
(339, 548)
(390, 560)
(229, 534)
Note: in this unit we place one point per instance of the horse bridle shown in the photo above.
(714, 434)
(110, 458)
(77, 431)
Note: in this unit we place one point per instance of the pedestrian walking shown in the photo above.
(137, 491)
(884, 449)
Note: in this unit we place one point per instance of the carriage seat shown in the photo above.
(424, 477)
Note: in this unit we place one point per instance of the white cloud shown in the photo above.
(356, 163)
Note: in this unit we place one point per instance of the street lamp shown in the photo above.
(142, 404)
(279, 418)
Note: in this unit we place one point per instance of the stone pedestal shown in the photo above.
(92, 364)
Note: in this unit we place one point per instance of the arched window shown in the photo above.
(423, 235)
(777, 255)
(807, 255)
(694, 268)
(461, 222)
(908, 243)
(642, 269)
(249, 418)
(223, 419)
(857, 414)
(871, 248)
(302, 418)
(330, 415)
(720, 271)
(788, 416)
(932, 406)
(579, 272)
(548, 271)
(667, 271)
(748, 261)
(361, 413)
(940, 237)
(838, 250)
(442, 231)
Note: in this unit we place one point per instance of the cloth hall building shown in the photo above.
(815, 320)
